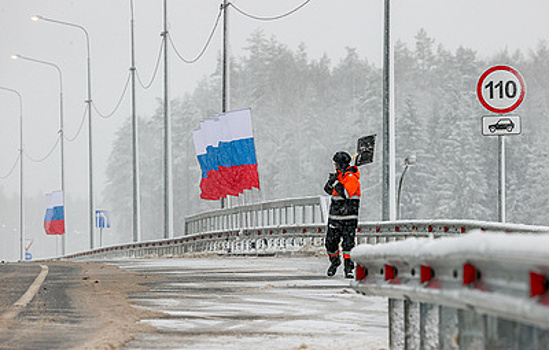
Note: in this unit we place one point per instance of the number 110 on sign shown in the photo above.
(509, 92)
(501, 89)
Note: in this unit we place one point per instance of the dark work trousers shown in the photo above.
(340, 231)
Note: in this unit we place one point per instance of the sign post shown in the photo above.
(501, 90)
(28, 255)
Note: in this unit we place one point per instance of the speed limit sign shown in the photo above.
(501, 89)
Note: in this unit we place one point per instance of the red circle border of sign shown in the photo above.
(500, 110)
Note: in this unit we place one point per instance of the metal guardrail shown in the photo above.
(282, 226)
(298, 211)
(479, 291)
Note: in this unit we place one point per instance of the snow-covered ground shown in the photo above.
(256, 303)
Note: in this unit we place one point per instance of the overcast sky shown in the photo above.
(323, 26)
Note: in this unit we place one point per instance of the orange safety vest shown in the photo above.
(350, 181)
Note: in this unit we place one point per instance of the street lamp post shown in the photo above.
(410, 160)
(21, 193)
(135, 144)
(388, 188)
(61, 135)
(89, 102)
(168, 179)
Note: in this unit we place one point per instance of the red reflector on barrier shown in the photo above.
(357, 229)
(430, 229)
(284, 231)
(271, 232)
(397, 229)
(463, 230)
(469, 274)
(320, 230)
(259, 233)
(538, 284)
(446, 228)
(304, 230)
(377, 229)
(360, 272)
(426, 273)
(390, 272)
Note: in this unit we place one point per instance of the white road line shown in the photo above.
(28, 296)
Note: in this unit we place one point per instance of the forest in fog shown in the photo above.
(304, 110)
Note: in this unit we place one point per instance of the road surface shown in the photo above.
(200, 302)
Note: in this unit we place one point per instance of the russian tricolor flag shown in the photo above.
(226, 152)
(54, 222)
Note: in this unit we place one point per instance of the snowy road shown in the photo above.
(255, 303)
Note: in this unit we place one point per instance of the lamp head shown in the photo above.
(36, 17)
(410, 160)
(14, 57)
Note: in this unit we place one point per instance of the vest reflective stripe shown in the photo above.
(341, 217)
(333, 255)
(339, 198)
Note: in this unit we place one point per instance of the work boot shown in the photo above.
(335, 262)
(349, 267)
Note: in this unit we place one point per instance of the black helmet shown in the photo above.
(342, 159)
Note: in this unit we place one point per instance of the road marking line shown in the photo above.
(28, 296)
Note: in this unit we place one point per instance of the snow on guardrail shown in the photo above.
(504, 276)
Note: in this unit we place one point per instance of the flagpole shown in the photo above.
(225, 85)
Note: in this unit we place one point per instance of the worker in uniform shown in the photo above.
(344, 187)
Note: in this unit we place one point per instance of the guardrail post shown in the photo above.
(411, 325)
(472, 328)
(448, 328)
(429, 326)
(396, 324)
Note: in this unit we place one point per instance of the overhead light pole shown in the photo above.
(168, 182)
(89, 102)
(21, 193)
(61, 135)
(388, 186)
(135, 144)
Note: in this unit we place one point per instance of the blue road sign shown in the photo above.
(28, 256)
(102, 219)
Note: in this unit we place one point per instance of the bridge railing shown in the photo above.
(287, 212)
(484, 290)
(282, 226)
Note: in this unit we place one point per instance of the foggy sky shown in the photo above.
(323, 26)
